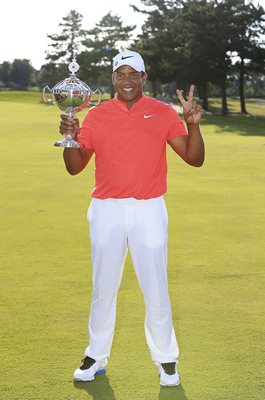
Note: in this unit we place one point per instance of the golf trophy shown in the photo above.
(71, 95)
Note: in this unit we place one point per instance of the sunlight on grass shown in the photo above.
(216, 267)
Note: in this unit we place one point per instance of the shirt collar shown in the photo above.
(138, 104)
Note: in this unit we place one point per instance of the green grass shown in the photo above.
(20, 97)
(234, 106)
(216, 268)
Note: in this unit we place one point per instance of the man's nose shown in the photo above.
(127, 78)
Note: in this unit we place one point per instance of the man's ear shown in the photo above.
(112, 78)
(144, 77)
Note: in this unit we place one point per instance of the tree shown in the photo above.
(248, 25)
(197, 24)
(230, 27)
(206, 37)
(192, 41)
(22, 74)
(5, 70)
(195, 40)
(50, 74)
(66, 45)
(102, 44)
(161, 41)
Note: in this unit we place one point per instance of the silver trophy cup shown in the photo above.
(71, 95)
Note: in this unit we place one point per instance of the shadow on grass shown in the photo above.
(99, 389)
(240, 125)
(172, 393)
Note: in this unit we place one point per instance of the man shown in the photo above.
(128, 135)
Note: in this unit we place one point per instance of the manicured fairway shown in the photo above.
(216, 268)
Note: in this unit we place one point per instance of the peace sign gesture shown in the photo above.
(192, 112)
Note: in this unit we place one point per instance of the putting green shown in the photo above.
(216, 268)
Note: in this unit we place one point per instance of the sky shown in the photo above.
(25, 23)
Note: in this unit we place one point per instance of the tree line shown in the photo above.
(17, 75)
(217, 45)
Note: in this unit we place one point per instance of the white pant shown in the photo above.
(141, 226)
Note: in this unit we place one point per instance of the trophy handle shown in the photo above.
(98, 92)
(44, 95)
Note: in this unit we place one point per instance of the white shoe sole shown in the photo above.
(169, 384)
(84, 379)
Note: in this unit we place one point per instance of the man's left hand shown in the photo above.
(192, 111)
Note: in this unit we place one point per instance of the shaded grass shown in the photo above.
(216, 269)
(244, 125)
(254, 106)
(20, 96)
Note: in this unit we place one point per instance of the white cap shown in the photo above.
(130, 58)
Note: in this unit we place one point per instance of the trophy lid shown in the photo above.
(72, 83)
(73, 66)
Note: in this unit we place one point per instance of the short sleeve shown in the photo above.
(84, 137)
(175, 125)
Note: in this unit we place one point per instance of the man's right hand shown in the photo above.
(69, 126)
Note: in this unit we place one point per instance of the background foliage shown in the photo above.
(217, 45)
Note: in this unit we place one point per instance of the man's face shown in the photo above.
(128, 84)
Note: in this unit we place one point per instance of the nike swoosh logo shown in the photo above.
(148, 116)
(124, 58)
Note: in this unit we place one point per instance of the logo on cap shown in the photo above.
(124, 58)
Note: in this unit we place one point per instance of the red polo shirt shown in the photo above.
(130, 147)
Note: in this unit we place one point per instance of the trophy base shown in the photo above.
(67, 142)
